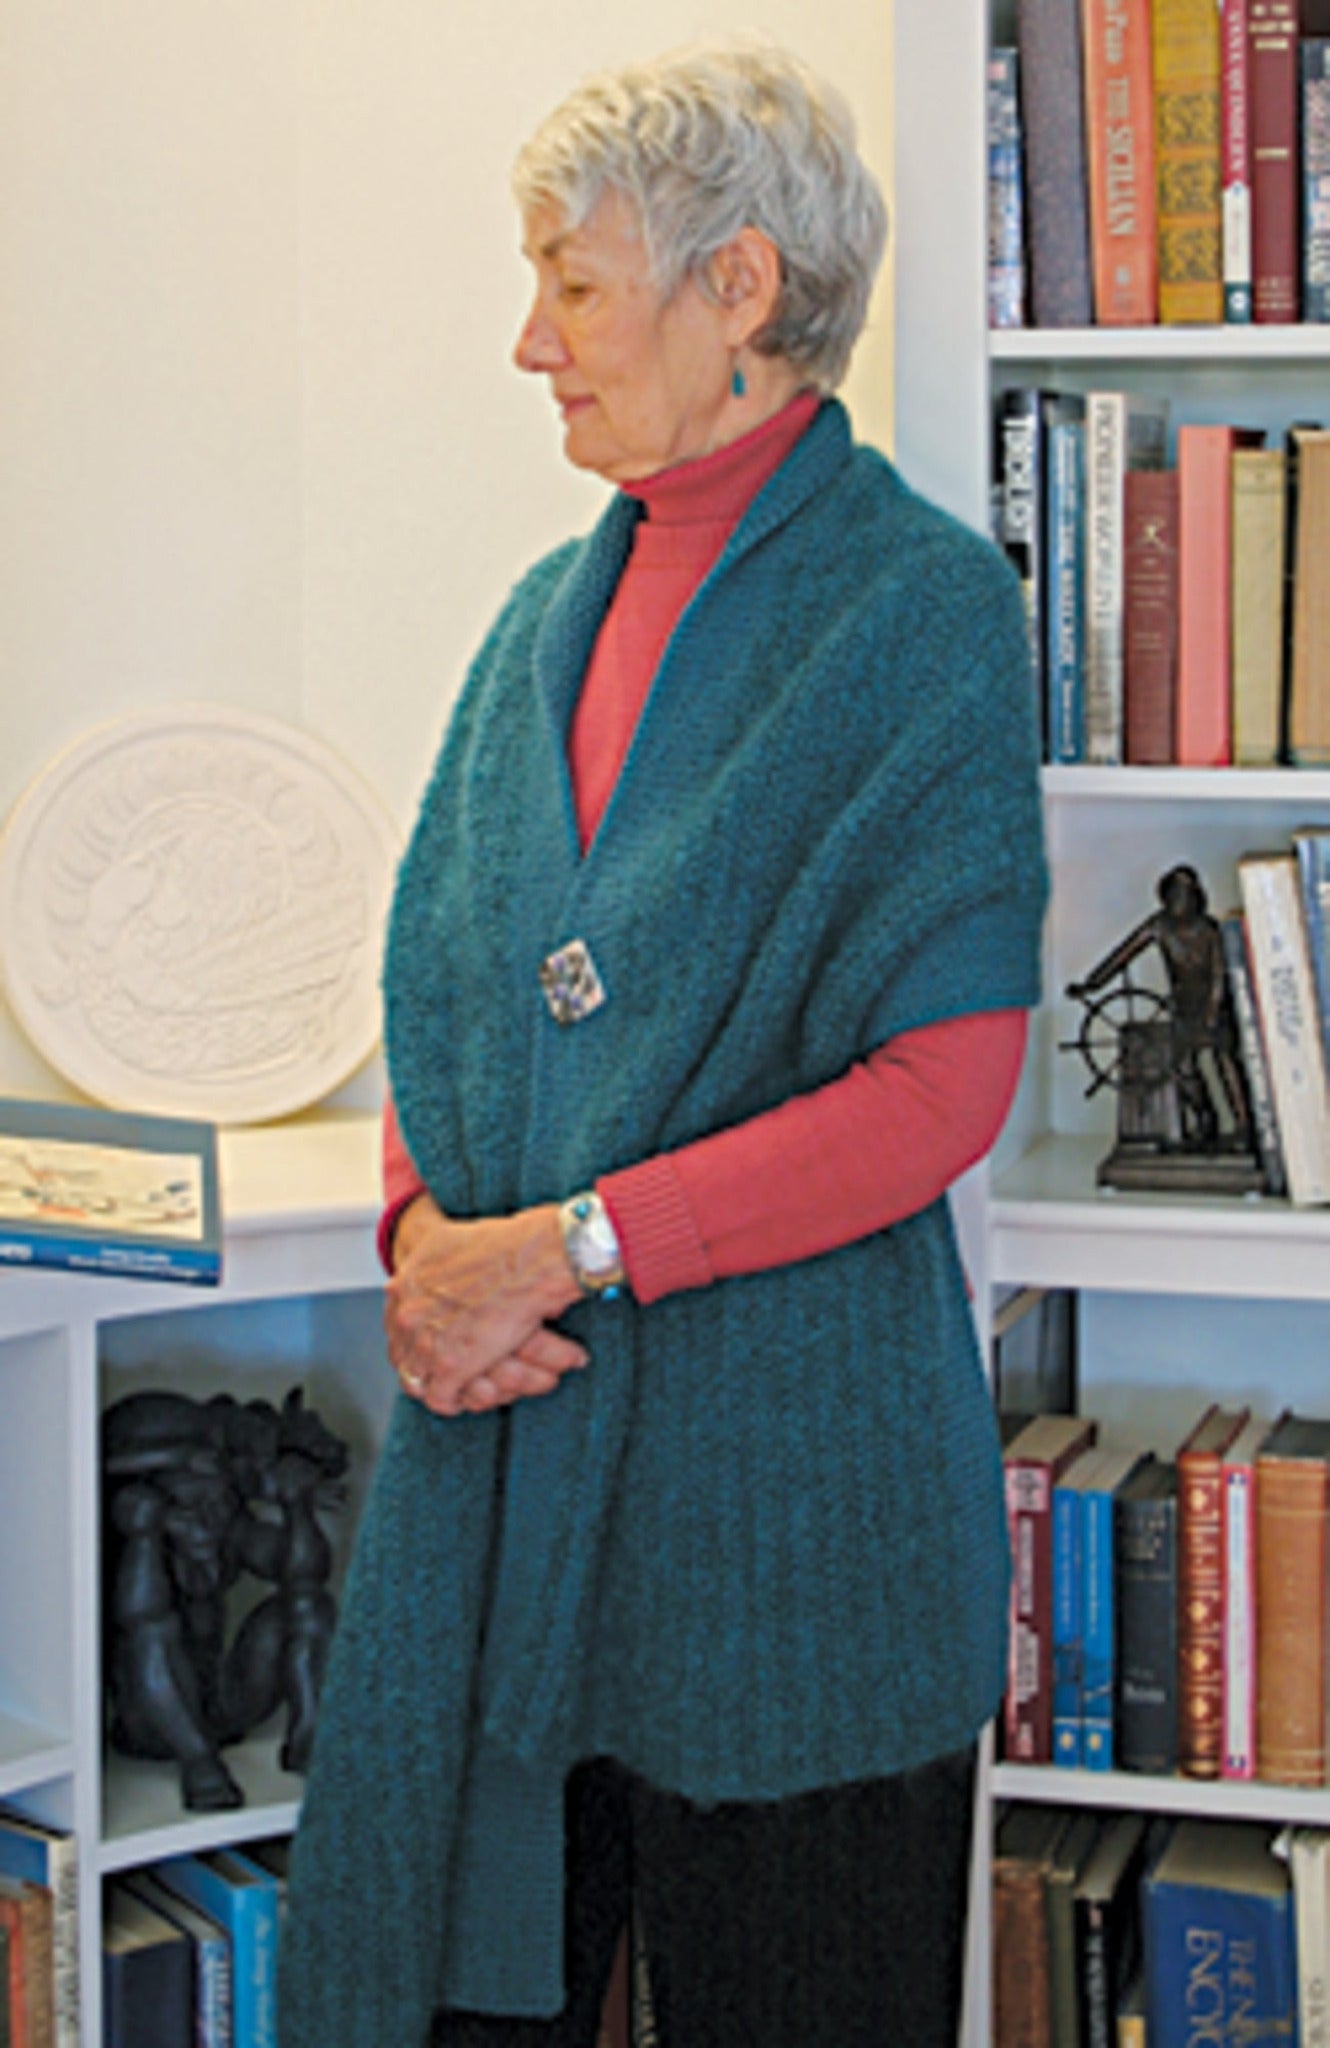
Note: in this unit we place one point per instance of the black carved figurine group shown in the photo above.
(1170, 1054)
(200, 1497)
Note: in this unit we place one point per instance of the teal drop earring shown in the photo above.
(738, 381)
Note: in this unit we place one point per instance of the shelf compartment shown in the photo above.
(1050, 1225)
(143, 1817)
(1208, 1798)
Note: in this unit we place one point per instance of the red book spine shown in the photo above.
(1149, 614)
(1200, 1614)
(1119, 138)
(1272, 27)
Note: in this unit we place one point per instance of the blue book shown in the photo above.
(1110, 1469)
(1066, 1571)
(242, 1898)
(108, 1191)
(211, 1954)
(1311, 844)
(1006, 202)
(1314, 64)
(1217, 1920)
(1064, 617)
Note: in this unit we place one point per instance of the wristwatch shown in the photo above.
(592, 1247)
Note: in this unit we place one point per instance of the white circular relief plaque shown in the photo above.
(192, 905)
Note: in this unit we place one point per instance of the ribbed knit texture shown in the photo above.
(757, 1547)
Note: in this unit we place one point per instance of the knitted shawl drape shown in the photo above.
(757, 1546)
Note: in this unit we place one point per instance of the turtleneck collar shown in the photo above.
(720, 486)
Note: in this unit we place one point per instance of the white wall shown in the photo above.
(260, 438)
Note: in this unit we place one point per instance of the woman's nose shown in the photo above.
(538, 346)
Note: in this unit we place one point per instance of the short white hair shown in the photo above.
(707, 141)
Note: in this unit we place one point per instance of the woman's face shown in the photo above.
(641, 382)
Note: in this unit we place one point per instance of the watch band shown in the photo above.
(591, 1245)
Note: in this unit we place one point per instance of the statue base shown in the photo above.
(1150, 1170)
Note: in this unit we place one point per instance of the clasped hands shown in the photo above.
(468, 1309)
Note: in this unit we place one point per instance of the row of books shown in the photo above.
(1179, 609)
(1110, 1928)
(1170, 1613)
(1159, 161)
(189, 1949)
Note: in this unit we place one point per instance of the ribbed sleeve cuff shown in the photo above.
(663, 1252)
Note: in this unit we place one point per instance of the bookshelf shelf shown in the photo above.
(298, 1303)
(1295, 787)
(1226, 1799)
(1178, 345)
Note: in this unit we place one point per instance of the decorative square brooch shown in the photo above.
(573, 988)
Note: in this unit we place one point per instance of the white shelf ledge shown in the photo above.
(30, 1756)
(144, 1817)
(1293, 786)
(1052, 1226)
(1250, 344)
(1212, 1798)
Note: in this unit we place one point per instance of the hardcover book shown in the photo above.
(1200, 1464)
(210, 1955)
(1258, 605)
(1235, 159)
(1205, 592)
(1149, 615)
(1238, 1652)
(1147, 1560)
(1292, 1502)
(1119, 124)
(147, 1992)
(48, 1857)
(1064, 651)
(1066, 1621)
(1273, 45)
(1022, 1985)
(1048, 37)
(1251, 1044)
(1314, 77)
(1286, 1004)
(1109, 1472)
(1032, 1463)
(1307, 1851)
(1185, 45)
(1309, 679)
(106, 1191)
(1311, 850)
(1123, 431)
(1106, 1924)
(1006, 205)
(242, 1898)
(1218, 1927)
(1024, 417)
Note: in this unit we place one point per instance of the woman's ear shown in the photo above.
(746, 279)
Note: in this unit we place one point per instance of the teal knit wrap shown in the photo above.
(758, 1546)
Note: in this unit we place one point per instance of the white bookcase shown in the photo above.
(299, 1303)
(1179, 1299)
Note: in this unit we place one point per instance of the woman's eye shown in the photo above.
(572, 291)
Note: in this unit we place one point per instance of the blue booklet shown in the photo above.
(242, 1897)
(108, 1191)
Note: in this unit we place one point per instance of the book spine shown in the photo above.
(1265, 1124)
(1019, 464)
(1286, 1004)
(1309, 678)
(1257, 627)
(1309, 1850)
(1098, 1629)
(1066, 1626)
(1290, 1619)
(1048, 37)
(1314, 67)
(1200, 1613)
(1065, 651)
(1027, 1709)
(1095, 1972)
(1149, 614)
(1105, 466)
(1235, 160)
(1021, 2013)
(1145, 1536)
(1186, 88)
(1239, 1651)
(1119, 141)
(189, 1266)
(1311, 850)
(1205, 596)
(1273, 45)
(1227, 1952)
(1006, 227)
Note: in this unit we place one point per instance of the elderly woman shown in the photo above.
(681, 1591)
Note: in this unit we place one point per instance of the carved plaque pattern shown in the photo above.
(191, 915)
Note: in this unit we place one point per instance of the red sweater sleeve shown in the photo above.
(881, 1141)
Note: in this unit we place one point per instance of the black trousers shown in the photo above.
(831, 1920)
